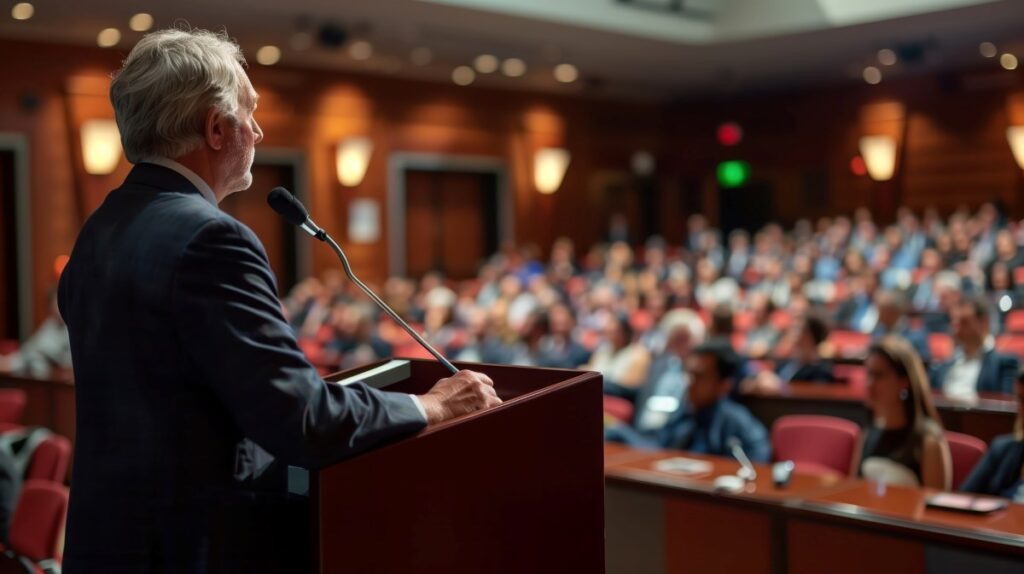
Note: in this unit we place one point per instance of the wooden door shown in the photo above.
(278, 237)
(8, 250)
(451, 222)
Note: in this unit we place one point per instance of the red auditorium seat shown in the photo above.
(12, 403)
(940, 346)
(743, 321)
(819, 445)
(850, 343)
(966, 451)
(38, 522)
(781, 319)
(618, 408)
(1015, 322)
(8, 346)
(1012, 344)
(1018, 276)
(856, 376)
(50, 460)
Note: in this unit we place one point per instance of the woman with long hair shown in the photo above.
(904, 442)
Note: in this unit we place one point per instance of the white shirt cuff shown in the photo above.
(419, 407)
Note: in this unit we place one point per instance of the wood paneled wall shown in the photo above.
(953, 146)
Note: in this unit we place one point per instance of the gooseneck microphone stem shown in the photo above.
(380, 302)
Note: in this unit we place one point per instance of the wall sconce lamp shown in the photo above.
(351, 159)
(549, 165)
(879, 153)
(1015, 135)
(101, 146)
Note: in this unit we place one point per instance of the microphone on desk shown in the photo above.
(747, 472)
(291, 209)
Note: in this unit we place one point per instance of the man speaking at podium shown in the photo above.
(192, 396)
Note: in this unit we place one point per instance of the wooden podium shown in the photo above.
(515, 489)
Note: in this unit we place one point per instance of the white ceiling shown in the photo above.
(620, 48)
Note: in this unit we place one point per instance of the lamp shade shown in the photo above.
(101, 146)
(549, 165)
(351, 160)
(879, 153)
(1015, 135)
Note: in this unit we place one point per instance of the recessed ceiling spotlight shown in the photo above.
(988, 49)
(22, 11)
(887, 57)
(268, 55)
(566, 73)
(421, 56)
(872, 75)
(140, 22)
(463, 75)
(486, 64)
(1008, 61)
(513, 67)
(360, 50)
(108, 37)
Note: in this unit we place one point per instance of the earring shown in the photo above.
(904, 394)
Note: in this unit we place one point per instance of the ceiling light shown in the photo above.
(486, 64)
(513, 67)
(22, 11)
(566, 73)
(988, 49)
(360, 50)
(463, 75)
(1008, 61)
(108, 37)
(549, 165)
(141, 22)
(268, 55)
(879, 153)
(301, 41)
(872, 75)
(421, 56)
(886, 57)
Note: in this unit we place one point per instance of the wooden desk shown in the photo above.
(50, 402)
(660, 522)
(992, 415)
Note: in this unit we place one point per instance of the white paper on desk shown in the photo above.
(683, 465)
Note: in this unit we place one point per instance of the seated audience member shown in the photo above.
(622, 359)
(709, 419)
(1001, 471)
(763, 335)
(661, 396)
(559, 349)
(804, 363)
(975, 366)
(892, 320)
(47, 349)
(904, 443)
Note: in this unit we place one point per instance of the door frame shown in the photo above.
(296, 160)
(18, 144)
(401, 162)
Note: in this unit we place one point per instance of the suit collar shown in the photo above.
(160, 177)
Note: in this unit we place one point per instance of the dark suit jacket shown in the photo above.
(997, 374)
(186, 377)
(999, 470)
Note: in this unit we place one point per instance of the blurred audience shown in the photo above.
(45, 353)
(1001, 471)
(976, 365)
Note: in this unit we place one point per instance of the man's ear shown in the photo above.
(214, 128)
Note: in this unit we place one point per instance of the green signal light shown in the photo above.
(733, 173)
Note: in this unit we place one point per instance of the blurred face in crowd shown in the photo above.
(561, 320)
(885, 387)
(889, 310)
(1006, 247)
(706, 387)
(1000, 277)
(967, 327)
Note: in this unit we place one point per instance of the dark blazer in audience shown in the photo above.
(816, 372)
(997, 374)
(999, 472)
(192, 395)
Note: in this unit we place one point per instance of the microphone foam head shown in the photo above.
(287, 206)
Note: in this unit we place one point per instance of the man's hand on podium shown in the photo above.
(461, 393)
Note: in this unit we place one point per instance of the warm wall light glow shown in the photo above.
(513, 67)
(351, 160)
(486, 64)
(101, 146)
(108, 37)
(268, 55)
(1015, 134)
(141, 22)
(1008, 61)
(549, 165)
(879, 153)
(22, 11)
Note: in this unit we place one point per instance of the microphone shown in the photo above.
(747, 472)
(291, 209)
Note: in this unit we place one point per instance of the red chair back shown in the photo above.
(39, 520)
(850, 343)
(618, 408)
(817, 444)
(12, 404)
(966, 451)
(940, 346)
(1012, 344)
(1015, 322)
(50, 460)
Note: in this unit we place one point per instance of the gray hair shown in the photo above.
(166, 86)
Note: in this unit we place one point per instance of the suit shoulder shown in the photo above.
(1001, 444)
